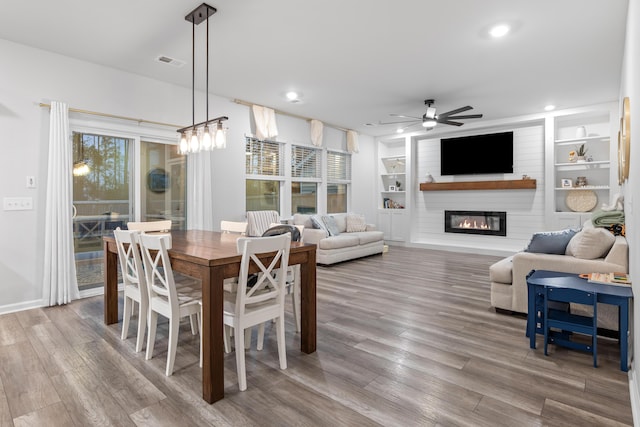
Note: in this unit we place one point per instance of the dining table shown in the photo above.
(212, 256)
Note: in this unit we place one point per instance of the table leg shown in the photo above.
(623, 329)
(110, 285)
(308, 304)
(531, 315)
(212, 330)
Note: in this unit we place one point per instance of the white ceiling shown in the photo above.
(354, 61)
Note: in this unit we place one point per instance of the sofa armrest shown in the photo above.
(619, 254)
(313, 235)
(371, 227)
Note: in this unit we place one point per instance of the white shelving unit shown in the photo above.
(563, 135)
(393, 188)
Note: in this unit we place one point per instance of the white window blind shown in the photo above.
(263, 158)
(305, 162)
(338, 166)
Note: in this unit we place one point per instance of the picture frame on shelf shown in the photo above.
(566, 183)
(392, 188)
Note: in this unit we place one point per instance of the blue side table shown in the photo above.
(621, 296)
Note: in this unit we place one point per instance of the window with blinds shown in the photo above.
(338, 166)
(338, 180)
(263, 158)
(305, 162)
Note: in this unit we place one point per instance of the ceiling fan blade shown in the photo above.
(406, 117)
(449, 122)
(470, 116)
(456, 111)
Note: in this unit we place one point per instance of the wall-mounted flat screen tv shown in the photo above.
(477, 154)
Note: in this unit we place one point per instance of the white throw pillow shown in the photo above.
(591, 243)
(356, 223)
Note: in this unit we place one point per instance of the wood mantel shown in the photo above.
(516, 184)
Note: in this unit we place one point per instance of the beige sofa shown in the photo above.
(344, 246)
(509, 284)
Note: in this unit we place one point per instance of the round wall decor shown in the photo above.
(581, 200)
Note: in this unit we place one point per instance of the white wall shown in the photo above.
(631, 189)
(29, 76)
(525, 208)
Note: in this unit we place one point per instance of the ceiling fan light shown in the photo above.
(430, 123)
(431, 112)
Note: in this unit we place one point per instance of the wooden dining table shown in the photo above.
(212, 257)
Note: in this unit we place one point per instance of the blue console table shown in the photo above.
(621, 296)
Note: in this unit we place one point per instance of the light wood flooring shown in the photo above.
(407, 338)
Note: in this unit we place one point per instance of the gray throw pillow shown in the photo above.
(550, 242)
(318, 223)
(331, 225)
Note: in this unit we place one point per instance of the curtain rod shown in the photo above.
(113, 116)
(284, 113)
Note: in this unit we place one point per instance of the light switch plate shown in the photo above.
(17, 203)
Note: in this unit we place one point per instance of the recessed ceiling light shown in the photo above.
(549, 107)
(399, 130)
(292, 96)
(499, 30)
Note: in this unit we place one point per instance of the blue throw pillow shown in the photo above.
(551, 242)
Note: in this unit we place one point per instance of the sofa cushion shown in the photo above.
(550, 242)
(331, 225)
(341, 221)
(344, 240)
(356, 223)
(591, 243)
(368, 236)
(302, 219)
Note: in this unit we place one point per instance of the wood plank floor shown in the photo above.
(407, 338)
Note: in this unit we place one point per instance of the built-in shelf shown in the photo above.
(517, 184)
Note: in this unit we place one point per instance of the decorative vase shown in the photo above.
(581, 159)
(429, 178)
(581, 132)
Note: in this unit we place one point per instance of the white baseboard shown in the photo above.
(634, 396)
(25, 305)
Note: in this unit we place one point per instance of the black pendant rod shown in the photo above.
(193, 72)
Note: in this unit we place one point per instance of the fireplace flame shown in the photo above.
(473, 224)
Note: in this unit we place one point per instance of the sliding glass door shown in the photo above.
(101, 199)
(119, 179)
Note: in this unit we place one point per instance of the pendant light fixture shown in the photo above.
(210, 134)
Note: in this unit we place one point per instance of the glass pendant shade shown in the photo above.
(206, 139)
(184, 145)
(221, 137)
(194, 145)
(80, 168)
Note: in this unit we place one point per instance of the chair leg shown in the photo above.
(174, 326)
(126, 315)
(194, 324)
(282, 348)
(151, 337)
(247, 338)
(296, 297)
(242, 373)
(260, 343)
(142, 324)
(227, 338)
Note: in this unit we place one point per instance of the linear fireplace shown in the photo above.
(476, 222)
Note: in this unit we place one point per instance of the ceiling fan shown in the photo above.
(430, 119)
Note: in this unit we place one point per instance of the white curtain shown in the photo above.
(265, 119)
(199, 191)
(352, 141)
(60, 285)
(316, 132)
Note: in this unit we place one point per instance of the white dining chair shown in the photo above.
(235, 227)
(135, 286)
(259, 221)
(263, 301)
(164, 297)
